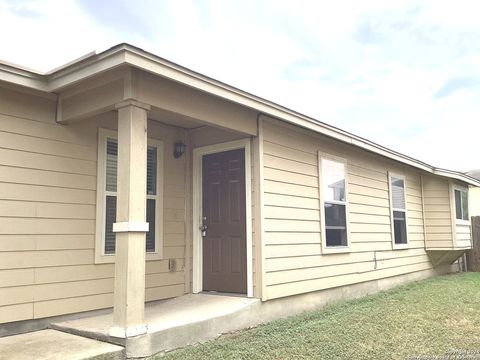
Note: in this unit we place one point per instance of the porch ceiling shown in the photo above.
(174, 119)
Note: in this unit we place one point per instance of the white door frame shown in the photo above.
(198, 153)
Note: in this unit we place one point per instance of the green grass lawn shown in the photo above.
(431, 317)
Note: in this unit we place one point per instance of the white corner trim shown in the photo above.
(197, 264)
(130, 226)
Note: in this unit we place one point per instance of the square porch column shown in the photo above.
(131, 225)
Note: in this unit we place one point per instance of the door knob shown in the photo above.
(203, 229)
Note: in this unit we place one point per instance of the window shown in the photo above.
(461, 204)
(107, 197)
(334, 199)
(110, 196)
(399, 211)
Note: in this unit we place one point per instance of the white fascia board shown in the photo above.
(85, 69)
(16, 75)
(456, 175)
(66, 75)
(151, 63)
(174, 72)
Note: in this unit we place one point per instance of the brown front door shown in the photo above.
(224, 243)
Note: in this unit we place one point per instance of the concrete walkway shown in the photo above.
(56, 345)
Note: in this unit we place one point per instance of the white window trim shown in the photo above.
(332, 249)
(392, 209)
(100, 256)
(454, 214)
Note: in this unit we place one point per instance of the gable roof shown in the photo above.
(125, 54)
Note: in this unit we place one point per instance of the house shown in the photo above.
(125, 179)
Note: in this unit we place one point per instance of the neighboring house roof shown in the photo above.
(125, 54)
(474, 174)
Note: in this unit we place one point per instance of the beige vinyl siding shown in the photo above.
(294, 261)
(47, 213)
(160, 282)
(438, 215)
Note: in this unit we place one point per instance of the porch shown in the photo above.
(173, 323)
(160, 135)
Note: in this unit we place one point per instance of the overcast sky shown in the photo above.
(405, 74)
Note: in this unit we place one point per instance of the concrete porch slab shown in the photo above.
(56, 345)
(172, 323)
(196, 318)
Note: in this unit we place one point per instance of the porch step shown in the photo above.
(56, 345)
(174, 323)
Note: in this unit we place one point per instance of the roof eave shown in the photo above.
(125, 54)
(14, 74)
(456, 175)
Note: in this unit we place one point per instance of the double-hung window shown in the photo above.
(398, 210)
(334, 204)
(461, 204)
(107, 197)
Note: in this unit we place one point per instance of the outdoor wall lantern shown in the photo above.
(178, 149)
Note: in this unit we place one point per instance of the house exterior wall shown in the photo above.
(47, 213)
(443, 231)
(438, 216)
(48, 205)
(462, 228)
(293, 252)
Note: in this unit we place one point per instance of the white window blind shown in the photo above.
(398, 193)
(111, 196)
